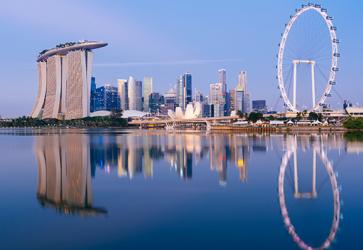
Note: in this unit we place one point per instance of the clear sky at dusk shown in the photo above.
(163, 39)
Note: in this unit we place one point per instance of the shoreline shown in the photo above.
(216, 129)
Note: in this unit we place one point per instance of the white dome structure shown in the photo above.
(171, 114)
(191, 112)
(197, 109)
(179, 113)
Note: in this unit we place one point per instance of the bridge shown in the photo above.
(172, 123)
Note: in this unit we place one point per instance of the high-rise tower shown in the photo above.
(123, 93)
(135, 94)
(148, 89)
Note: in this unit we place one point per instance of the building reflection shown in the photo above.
(68, 162)
(64, 174)
(136, 154)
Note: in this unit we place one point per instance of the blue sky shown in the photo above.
(163, 39)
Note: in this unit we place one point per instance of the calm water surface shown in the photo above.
(110, 189)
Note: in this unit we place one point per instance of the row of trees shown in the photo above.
(353, 123)
(255, 116)
(312, 116)
(88, 122)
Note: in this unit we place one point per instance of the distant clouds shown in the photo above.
(176, 62)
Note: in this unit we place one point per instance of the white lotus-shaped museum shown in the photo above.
(191, 112)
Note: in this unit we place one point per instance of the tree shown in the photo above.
(240, 114)
(304, 113)
(254, 116)
(313, 116)
(353, 123)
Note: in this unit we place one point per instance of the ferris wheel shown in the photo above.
(308, 53)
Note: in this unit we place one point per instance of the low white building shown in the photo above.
(355, 111)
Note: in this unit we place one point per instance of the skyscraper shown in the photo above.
(259, 106)
(216, 98)
(232, 94)
(222, 78)
(64, 76)
(123, 93)
(93, 94)
(135, 94)
(180, 94)
(107, 98)
(155, 100)
(170, 99)
(242, 81)
(184, 90)
(198, 96)
(242, 96)
(187, 82)
(148, 89)
(239, 100)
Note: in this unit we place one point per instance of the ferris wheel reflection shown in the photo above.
(292, 152)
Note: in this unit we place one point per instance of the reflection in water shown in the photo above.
(68, 162)
(64, 178)
(136, 153)
(317, 149)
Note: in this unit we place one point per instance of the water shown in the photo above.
(115, 189)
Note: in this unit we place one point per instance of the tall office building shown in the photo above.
(155, 101)
(232, 94)
(216, 99)
(239, 101)
(222, 78)
(242, 96)
(64, 75)
(187, 82)
(259, 106)
(93, 94)
(135, 94)
(180, 94)
(184, 90)
(242, 81)
(148, 89)
(107, 98)
(198, 96)
(123, 93)
(170, 99)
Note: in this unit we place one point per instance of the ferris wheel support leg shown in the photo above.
(313, 82)
(294, 85)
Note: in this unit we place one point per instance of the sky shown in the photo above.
(163, 39)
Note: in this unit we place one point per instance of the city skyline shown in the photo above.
(198, 53)
(125, 124)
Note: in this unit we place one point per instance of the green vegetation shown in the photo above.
(298, 116)
(88, 122)
(353, 123)
(254, 116)
(315, 116)
(240, 114)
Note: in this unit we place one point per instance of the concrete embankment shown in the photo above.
(303, 129)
